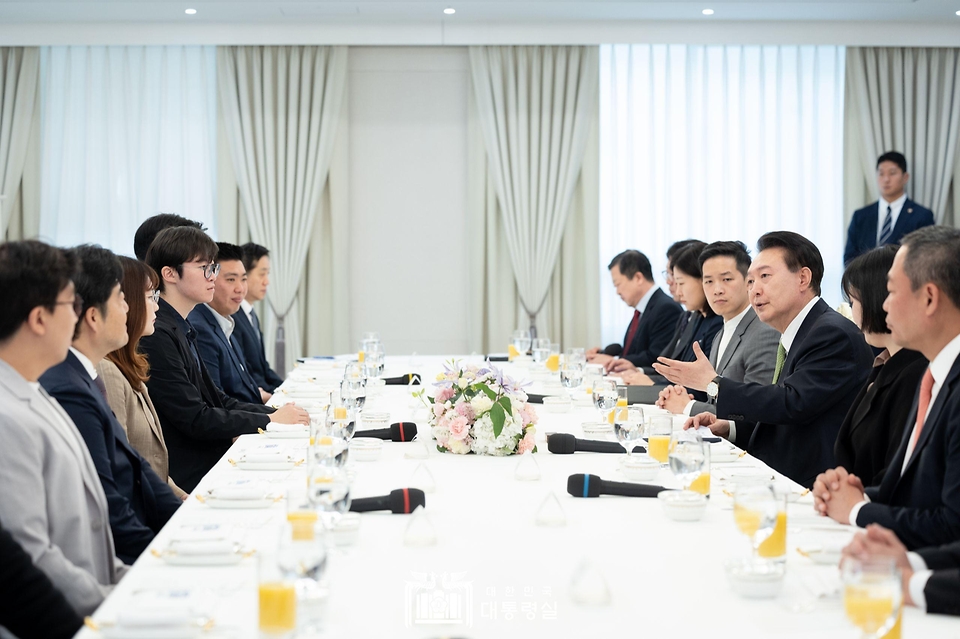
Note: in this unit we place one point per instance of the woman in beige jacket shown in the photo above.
(125, 370)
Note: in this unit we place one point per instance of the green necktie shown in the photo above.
(781, 358)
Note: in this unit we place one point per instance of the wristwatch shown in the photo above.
(714, 387)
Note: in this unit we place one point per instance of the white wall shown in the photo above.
(408, 196)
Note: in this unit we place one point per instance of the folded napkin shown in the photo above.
(274, 427)
(167, 615)
(264, 458)
(202, 532)
(238, 492)
(402, 380)
(203, 548)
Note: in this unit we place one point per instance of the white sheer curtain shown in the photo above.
(126, 132)
(718, 143)
(19, 75)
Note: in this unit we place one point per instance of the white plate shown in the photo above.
(239, 504)
(220, 559)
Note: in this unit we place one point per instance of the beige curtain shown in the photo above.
(571, 310)
(281, 109)
(19, 116)
(908, 100)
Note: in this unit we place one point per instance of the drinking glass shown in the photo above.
(553, 360)
(621, 400)
(353, 393)
(659, 429)
(521, 341)
(576, 355)
(629, 428)
(277, 597)
(571, 375)
(374, 357)
(353, 370)
(755, 511)
(372, 336)
(605, 397)
(302, 559)
(687, 456)
(328, 490)
(541, 351)
(872, 595)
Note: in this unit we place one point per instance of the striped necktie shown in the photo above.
(887, 230)
(781, 358)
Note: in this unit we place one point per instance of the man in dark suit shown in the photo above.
(919, 497)
(822, 360)
(890, 218)
(256, 261)
(139, 502)
(654, 316)
(216, 338)
(199, 421)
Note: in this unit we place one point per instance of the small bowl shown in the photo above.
(755, 580)
(371, 421)
(365, 448)
(640, 468)
(596, 430)
(683, 505)
(557, 404)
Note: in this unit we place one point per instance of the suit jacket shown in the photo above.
(751, 356)
(944, 585)
(682, 336)
(199, 421)
(922, 505)
(873, 428)
(251, 343)
(862, 233)
(52, 501)
(140, 503)
(700, 329)
(28, 596)
(222, 358)
(136, 414)
(792, 425)
(657, 324)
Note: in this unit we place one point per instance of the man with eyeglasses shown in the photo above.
(199, 420)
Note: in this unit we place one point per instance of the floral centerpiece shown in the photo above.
(478, 409)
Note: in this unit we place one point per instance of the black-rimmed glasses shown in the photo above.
(209, 270)
(76, 302)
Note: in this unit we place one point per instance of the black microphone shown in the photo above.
(592, 486)
(565, 444)
(399, 432)
(401, 501)
(402, 380)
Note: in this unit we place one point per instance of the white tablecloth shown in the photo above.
(497, 573)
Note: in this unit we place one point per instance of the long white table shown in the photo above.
(495, 570)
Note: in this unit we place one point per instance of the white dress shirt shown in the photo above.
(226, 323)
(642, 304)
(726, 334)
(247, 308)
(895, 207)
(87, 364)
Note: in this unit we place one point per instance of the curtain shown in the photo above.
(907, 100)
(534, 107)
(718, 143)
(19, 82)
(281, 107)
(126, 132)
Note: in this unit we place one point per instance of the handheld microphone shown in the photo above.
(582, 485)
(399, 432)
(565, 444)
(401, 501)
(402, 380)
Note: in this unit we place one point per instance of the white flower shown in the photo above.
(458, 447)
(463, 383)
(481, 404)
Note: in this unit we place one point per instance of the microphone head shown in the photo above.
(562, 443)
(581, 485)
(404, 501)
(403, 431)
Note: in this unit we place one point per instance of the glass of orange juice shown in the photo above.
(687, 457)
(755, 511)
(553, 359)
(659, 428)
(872, 595)
(278, 598)
(774, 547)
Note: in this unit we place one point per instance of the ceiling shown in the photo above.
(354, 12)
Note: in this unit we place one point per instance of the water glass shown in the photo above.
(353, 393)
(605, 397)
(872, 595)
(755, 510)
(521, 341)
(571, 376)
(687, 456)
(576, 355)
(328, 490)
(541, 351)
(628, 426)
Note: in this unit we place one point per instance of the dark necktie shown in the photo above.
(634, 325)
(98, 381)
(255, 320)
(684, 322)
(887, 230)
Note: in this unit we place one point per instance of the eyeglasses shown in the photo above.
(209, 270)
(154, 295)
(76, 302)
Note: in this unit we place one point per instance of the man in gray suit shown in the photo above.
(52, 501)
(745, 349)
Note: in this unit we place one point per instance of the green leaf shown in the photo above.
(498, 417)
(441, 449)
(489, 393)
(505, 402)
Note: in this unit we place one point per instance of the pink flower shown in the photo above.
(438, 410)
(459, 429)
(526, 444)
(528, 415)
(443, 395)
(465, 409)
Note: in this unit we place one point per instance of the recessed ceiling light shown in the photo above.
(958, 13)
(449, 11)
(707, 12)
(190, 12)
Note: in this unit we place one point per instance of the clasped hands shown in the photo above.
(836, 492)
(878, 542)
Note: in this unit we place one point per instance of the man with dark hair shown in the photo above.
(890, 218)
(654, 315)
(919, 497)
(256, 260)
(140, 503)
(199, 421)
(746, 348)
(216, 337)
(52, 501)
(791, 422)
(148, 230)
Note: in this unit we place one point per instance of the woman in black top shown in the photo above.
(872, 430)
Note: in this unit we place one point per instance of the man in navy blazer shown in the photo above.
(919, 496)
(792, 422)
(139, 502)
(655, 313)
(216, 334)
(256, 260)
(890, 218)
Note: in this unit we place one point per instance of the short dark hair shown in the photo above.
(176, 246)
(675, 248)
(227, 252)
(865, 280)
(798, 252)
(100, 272)
(631, 262)
(32, 274)
(735, 249)
(252, 253)
(895, 157)
(148, 230)
(688, 262)
(933, 255)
